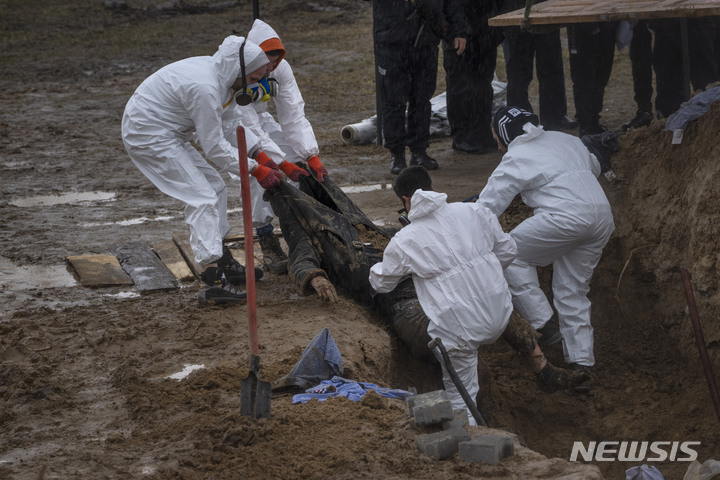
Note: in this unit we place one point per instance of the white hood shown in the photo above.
(424, 202)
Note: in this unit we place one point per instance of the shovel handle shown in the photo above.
(443, 356)
(249, 249)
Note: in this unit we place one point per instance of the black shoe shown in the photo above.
(565, 123)
(234, 272)
(591, 130)
(553, 378)
(424, 160)
(465, 147)
(549, 334)
(222, 293)
(274, 257)
(398, 163)
(584, 386)
(641, 119)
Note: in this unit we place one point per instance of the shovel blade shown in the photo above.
(255, 397)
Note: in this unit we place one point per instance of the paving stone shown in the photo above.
(442, 445)
(486, 448)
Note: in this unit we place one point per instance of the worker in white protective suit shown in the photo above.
(556, 175)
(456, 253)
(197, 99)
(287, 140)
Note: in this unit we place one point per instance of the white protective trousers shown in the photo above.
(574, 250)
(556, 175)
(177, 169)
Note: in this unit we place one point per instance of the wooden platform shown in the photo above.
(99, 270)
(561, 12)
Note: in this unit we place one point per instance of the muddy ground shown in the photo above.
(83, 387)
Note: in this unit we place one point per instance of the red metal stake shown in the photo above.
(700, 340)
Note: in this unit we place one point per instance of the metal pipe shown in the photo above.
(700, 340)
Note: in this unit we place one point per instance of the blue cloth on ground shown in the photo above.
(696, 107)
(340, 387)
(320, 360)
(643, 472)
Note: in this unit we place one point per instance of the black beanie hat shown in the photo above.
(508, 123)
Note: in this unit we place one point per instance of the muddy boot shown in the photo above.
(274, 257)
(553, 378)
(583, 371)
(220, 291)
(234, 272)
(549, 334)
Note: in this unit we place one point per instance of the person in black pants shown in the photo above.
(545, 49)
(406, 36)
(641, 66)
(469, 76)
(668, 61)
(592, 50)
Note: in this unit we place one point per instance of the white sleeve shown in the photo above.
(252, 122)
(502, 186)
(385, 275)
(290, 107)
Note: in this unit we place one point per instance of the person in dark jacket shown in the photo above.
(406, 37)
(333, 243)
(468, 76)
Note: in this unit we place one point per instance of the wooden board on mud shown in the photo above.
(174, 260)
(99, 270)
(183, 244)
(144, 267)
(560, 12)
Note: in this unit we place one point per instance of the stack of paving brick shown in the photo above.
(433, 412)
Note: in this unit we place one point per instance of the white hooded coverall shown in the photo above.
(291, 137)
(193, 97)
(556, 175)
(456, 253)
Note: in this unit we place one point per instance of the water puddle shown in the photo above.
(63, 199)
(365, 188)
(15, 277)
(185, 371)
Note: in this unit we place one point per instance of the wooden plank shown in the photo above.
(173, 259)
(99, 270)
(144, 267)
(183, 244)
(563, 12)
(239, 255)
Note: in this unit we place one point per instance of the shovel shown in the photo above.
(254, 394)
(444, 358)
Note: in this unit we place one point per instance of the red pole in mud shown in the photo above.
(249, 249)
(700, 340)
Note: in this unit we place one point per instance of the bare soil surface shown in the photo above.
(84, 391)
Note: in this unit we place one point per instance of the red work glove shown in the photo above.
(292, 171)
(266, 177)
(320, 171)
(263, 159)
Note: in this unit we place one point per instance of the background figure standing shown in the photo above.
(667, 60)
(545, 50)
(641, 65)
(406, 35)
(592, 50)
(468, 76)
